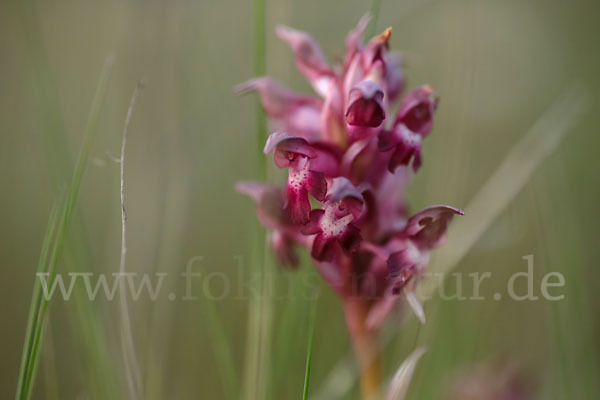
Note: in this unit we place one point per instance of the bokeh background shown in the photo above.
(497, 66)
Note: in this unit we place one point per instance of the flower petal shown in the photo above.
(350, 239)
(365, 105)
(269, 203)
(428, 228)
(312, 226)
(286, 147)
(402, 377)
(284, 249)
(354, 39)
(408, 147)
(327, 158)
(316, 185)
(374, 53)
(416, 306)
(403, 267)
(288, 142)
(298, 203)
(417, 109)
(342, 190)
(323, 248)
(380, 310)
(394, 75)
(309, 58)
(298, 113)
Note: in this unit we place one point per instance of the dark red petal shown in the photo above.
(312, 226)
(417, 110)
(401, 156)
(316, 185)
(388, 139)
(408, 148)
(402, 267)
(417, 161)
(365, 105)
(284, 249)
(298, 203)
(351, 238)
(323, 248)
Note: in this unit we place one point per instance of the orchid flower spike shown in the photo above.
(348, 158)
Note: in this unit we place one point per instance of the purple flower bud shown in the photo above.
(416, 112)
(365, 105)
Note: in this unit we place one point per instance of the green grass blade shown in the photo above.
(85, 318)
(222, 350)
(52, 248)
(34, 332)
(311, 334)
(36, 298)
(260, 308)
(374, 12)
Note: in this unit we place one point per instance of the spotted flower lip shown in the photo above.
(304, 175)
(334, 224)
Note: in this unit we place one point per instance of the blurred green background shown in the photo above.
(497, 66)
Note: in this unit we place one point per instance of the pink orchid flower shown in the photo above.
(341, 148)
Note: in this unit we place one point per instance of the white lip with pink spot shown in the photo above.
(331, 225)
(299, 175)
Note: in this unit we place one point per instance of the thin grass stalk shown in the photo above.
(130, 361)
(49, 366)
(311, 333)
(36, 298)
(37, 330)
(222, 351)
